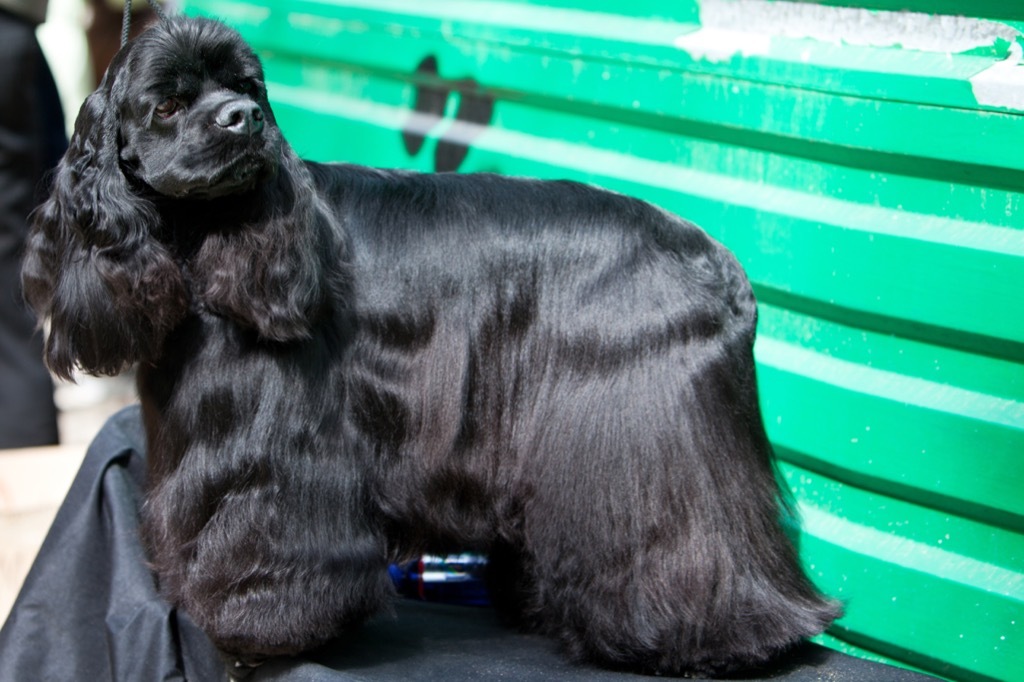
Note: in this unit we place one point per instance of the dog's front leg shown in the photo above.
(260, 515)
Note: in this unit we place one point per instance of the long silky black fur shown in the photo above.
(341, 367)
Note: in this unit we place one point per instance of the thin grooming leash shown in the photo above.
(126, 18)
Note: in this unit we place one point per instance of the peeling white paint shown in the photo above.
(1002, 84)
(721, 45)
(851, 26)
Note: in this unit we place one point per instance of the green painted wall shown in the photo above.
(867, 167)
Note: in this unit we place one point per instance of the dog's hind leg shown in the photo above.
(654, 529)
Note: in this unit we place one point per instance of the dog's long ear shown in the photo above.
(92, 267)
(274, 272)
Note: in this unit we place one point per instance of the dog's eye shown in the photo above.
(167, 108)
(249, 87)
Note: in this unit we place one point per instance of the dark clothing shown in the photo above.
(32, 140)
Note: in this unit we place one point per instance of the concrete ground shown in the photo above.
(33, 481)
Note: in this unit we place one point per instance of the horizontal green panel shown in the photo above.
(897, 433)
(678, 10)
(929, 588)
(894, 354)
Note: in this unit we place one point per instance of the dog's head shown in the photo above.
(176, 161)
(188, 101)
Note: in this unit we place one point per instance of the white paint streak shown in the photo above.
(1002, 84)
(320, 25)
(913, 554)
(892, 386)
(850, 26)
(721, 45)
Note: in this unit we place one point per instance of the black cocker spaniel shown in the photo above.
(341, 367)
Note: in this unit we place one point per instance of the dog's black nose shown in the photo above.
(241, 117)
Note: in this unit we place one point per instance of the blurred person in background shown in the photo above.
(32, 140)
(103, 29)
(80, 37)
